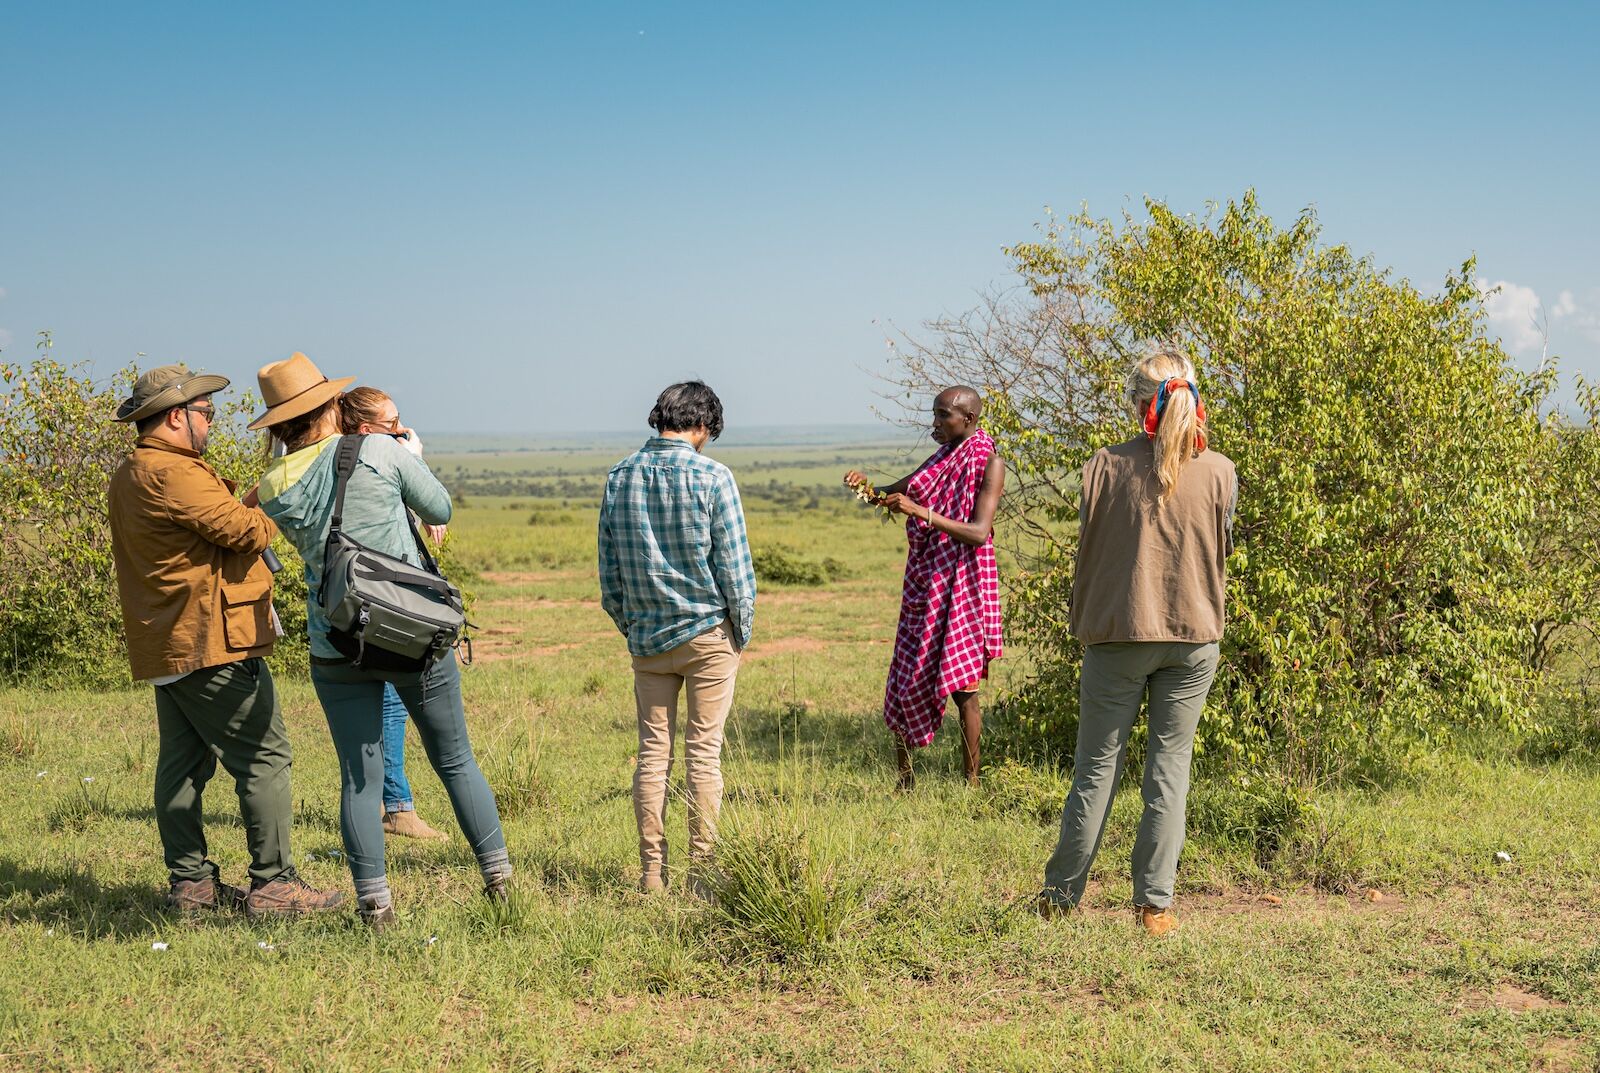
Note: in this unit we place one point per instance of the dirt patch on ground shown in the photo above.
(1560, 1056)
(1508, 997)
(513, 577)
(497, 653)
(539, 601)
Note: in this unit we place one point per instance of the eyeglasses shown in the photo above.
(208, 411)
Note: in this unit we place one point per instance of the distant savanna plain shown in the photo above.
(1442, 923)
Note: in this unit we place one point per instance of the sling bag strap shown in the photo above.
(344, 462)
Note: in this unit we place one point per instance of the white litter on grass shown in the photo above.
(158, 946)
(40, 774)
(311, 857)
(432, 939)
(49, 932)
(266, 946)
(88, 778)
(1502, 856)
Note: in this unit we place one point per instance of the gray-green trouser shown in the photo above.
(1116, 678)
(227, 713)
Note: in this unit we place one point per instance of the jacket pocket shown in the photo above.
(247, 615)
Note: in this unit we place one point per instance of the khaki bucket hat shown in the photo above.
(294, 387)
(164, 387)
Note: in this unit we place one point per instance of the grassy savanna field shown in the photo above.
(859, 929)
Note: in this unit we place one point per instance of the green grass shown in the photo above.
(856, 928)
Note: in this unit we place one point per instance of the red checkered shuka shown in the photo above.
(950, 606)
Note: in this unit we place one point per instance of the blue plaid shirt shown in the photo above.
(674, 557)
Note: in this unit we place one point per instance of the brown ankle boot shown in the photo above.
(375, 918)
(1156, 922)
(408, 824)
(200, 895)
(289, 895)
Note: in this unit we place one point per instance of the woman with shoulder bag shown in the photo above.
(1154, 533)
(297, 492)
(366, 411)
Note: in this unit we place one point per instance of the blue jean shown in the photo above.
(396, 790)
(353, 702)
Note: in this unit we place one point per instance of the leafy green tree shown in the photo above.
(1393, 467)
(60, 618)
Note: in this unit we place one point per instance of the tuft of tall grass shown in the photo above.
(774, 901)
(516, 773)
(79, 811)
(19, 739)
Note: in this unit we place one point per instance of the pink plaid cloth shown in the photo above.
(950, 607)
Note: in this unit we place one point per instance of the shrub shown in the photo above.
(60, 616)
(784, 566)
(1397, 475)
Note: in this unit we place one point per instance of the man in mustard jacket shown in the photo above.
(197, 607)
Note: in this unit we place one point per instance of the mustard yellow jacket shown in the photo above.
(195, 592)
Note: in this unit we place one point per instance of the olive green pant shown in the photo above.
(1116, 679)
(228, 714)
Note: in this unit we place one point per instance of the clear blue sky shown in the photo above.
(527, 216)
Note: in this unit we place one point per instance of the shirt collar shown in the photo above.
(162, 445)
(668, 443)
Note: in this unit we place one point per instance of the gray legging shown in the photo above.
(1116, 678)
(353, 701)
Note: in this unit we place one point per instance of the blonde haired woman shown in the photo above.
(1155, 524)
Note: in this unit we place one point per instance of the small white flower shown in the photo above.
(158, 946)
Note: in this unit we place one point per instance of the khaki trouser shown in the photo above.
(705, 668)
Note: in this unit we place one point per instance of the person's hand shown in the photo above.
(409, 439)
(854, 478)
(435, 533)
(900, 503)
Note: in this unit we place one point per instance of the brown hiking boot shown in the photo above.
(289, 896)
(1050, 909)
(375, 918)
(408, 824)
(1156, 922)
(199, 895)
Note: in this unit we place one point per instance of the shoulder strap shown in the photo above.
(344, 464)
(349, 450)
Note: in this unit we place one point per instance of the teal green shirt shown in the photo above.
(297, 493)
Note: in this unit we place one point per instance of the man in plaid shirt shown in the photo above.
(676, 578)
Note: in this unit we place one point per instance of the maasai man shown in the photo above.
(950, 606)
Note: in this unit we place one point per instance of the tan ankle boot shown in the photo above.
(409, 825)
(1155, 921)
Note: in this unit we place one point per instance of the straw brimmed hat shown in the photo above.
(164, 387)
(294, 387)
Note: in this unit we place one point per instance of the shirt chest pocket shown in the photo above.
(247, 615)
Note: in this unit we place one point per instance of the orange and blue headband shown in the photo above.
(1158, 406)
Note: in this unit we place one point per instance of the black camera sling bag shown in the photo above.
(384, 613)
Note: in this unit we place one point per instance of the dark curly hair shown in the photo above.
(687, 406)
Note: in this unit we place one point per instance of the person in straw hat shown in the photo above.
(197, 608)
(297, 492)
